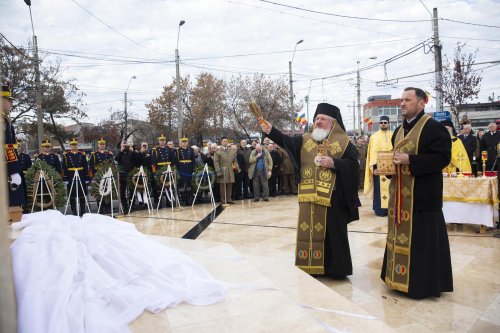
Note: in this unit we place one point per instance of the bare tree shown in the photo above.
(460, 82)
(61, 98)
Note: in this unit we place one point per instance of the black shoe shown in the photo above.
(266, 199)
(230, 202)
(256, 200)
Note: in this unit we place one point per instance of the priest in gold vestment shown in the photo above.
(377, 186)
(459, 158)
(329, 169)
(417, 254)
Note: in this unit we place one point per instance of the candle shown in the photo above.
(484, 156)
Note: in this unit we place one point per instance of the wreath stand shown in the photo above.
(106, 187)
(78, 181)
(39, 186)
(207, 173)
(142, 174)
(169, 193)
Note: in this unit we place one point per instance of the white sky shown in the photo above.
(216, 28)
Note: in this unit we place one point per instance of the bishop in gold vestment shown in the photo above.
(328, 166)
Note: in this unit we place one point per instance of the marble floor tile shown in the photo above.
(255, 243)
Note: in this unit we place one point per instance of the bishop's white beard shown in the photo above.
(320, 134)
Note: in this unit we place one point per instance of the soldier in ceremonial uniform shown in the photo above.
(99, 156)
(161, 156)
(74, 161)
(185, 166)
(96, 158)
(16, 191)
(48, 157)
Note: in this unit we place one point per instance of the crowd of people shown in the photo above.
(238, 170)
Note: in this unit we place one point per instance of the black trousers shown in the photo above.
(241, 185)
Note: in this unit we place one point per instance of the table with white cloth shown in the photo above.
(470, 200)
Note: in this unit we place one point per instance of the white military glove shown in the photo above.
(15, 179)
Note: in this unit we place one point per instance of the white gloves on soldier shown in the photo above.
(16, 179)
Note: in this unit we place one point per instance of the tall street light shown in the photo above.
(292, 128)
(178, 85)
(126, 114)
(358, 84)
(39, 114)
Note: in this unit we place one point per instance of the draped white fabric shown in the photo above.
(97, 274)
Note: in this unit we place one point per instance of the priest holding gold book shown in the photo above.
(377, 186)
(328, 166)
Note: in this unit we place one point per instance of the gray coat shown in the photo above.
(225, 158)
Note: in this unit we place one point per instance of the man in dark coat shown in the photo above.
(241, 181)
(489, 143)
(273, 181)
(469, 141)
(127, 159)
(16, 190)
(328, 165)
(417, 255)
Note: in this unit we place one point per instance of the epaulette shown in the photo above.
(83, 153)
(35, 156)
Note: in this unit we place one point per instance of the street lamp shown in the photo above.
(39, 114)
(178, 85)
(126, 114)
(291, 87)
(359, 97)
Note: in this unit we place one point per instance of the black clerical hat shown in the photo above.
(331, 111)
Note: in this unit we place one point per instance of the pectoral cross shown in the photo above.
(324, 147)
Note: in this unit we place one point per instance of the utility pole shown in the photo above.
(178, 86)
(292, 124)
(358, 83)
(179, 97)
(307, 110)
(437, 62)
(292, 114)
(126, 118)
(126, 106)
(39, 112)
(354, 117)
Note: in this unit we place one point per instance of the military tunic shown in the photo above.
(96, 158)
(16, 196)
(51, 159)
(161, 157)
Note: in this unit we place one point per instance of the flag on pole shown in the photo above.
(300, 118)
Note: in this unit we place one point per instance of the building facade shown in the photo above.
(381, 105)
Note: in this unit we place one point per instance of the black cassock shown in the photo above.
(344, 203)
(430, 269)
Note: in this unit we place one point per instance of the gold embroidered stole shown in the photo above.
(315, 192)
(397, 274)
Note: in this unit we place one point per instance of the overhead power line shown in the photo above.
(343, 16)
(375, 19)
(113, 29)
